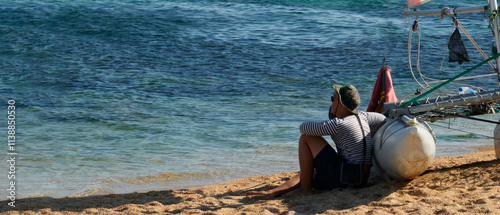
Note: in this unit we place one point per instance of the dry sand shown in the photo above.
(468, 184)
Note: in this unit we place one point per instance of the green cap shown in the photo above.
(349, 97)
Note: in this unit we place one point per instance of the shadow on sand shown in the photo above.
(78, 204)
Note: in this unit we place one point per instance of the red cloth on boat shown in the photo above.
(382, 92)
(414, 3)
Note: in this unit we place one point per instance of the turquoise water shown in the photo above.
(123, 96)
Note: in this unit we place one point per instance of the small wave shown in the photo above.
(92, 192)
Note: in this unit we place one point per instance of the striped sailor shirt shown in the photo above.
(347, 135)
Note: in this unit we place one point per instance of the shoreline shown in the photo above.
(179, 181)
(463, 184)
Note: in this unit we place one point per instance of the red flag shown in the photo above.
(382, 92)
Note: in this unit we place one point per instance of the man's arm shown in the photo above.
(319, 128)
(376, 121)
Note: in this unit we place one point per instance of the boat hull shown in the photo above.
(403, 148)
(497, 140)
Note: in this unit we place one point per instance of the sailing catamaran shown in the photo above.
(405, 145)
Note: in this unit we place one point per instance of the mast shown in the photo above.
(494, 6)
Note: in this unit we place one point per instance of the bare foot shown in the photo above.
(257, 193)
(266, 193)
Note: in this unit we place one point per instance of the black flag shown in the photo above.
(457, 48)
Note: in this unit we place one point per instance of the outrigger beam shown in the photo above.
(446, 12)
(395, 109)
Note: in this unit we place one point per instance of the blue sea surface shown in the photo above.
(124, 96)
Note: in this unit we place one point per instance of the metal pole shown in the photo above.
(429, 104)
(450, 11)
(494, 6)
(454, 103)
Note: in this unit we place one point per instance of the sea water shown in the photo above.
(126, 96)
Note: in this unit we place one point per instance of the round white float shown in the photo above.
(404, 148)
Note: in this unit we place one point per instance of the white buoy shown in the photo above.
(404, 148)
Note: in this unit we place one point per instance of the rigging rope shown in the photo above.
(416, 28)
(426, 85)
(466, 117)
(448, 81)
(448, 127)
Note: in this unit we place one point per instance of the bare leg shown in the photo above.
(309, 147)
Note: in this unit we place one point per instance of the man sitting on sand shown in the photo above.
(320, 164)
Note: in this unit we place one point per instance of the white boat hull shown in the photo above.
(497, 140)
(403, 150)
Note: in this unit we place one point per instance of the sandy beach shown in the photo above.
(467, 184)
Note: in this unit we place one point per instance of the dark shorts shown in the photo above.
(327, 165)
